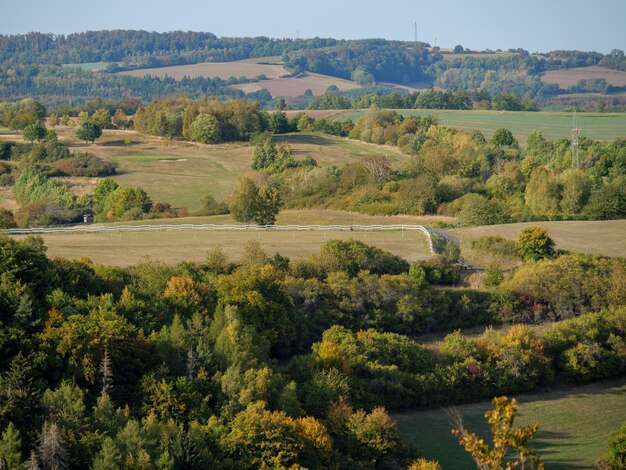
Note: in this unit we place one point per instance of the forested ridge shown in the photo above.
(31, 65)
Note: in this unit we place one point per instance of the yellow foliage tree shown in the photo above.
(506, 439)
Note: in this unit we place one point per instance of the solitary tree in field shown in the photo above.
(35, 131)
(506, 440)
(249, 203)
(534, 243)
(89, 131)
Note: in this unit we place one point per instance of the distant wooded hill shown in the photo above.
(35, 65)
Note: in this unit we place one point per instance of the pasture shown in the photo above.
(602, 237)
(553, 125)
(570, 77)
(574, 425)
(174, 246)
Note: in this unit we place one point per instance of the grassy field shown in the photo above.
(292, 87)
(172, 247)
(570, 77)
(553, 125)
(574, 425)
(605, 237)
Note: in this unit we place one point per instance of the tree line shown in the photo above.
(463, 174)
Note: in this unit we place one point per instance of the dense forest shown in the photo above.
(271, 363)
(32, 65)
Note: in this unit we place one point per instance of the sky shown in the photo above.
(535, 25)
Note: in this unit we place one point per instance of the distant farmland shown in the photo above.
(570, 77)
(292, 87)
(287, 87)
(553, 125)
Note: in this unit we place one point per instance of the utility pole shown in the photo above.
(575, 142)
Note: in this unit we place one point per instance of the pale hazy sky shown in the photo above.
(536, 25)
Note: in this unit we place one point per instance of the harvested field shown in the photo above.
(292, 87)
(601, 237)
(570, 77)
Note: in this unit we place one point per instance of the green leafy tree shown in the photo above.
(617, 448)
(89, 131)
(503, 138)
(6, 219)
(35, 131)
(534, 243)
(278, 123)
(206, 129)
(506, 438)
(243, 204)
(250, 203)
(120, 120)
(102, 118)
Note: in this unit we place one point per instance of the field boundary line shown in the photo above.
(221, 227)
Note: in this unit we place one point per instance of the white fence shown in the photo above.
(221, 227)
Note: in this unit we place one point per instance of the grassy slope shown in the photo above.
(553, 125)
(604, 237)
(175, 246)
(202, 169)
(574, 425)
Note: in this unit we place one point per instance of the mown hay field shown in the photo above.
(601, 237)
(174, 246)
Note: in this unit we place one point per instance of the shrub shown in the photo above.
(85, 165)
(495, 244)
(534, 244)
